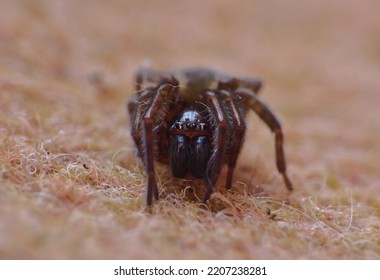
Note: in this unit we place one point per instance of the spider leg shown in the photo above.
(253, 102)
(136, 109)
(237, 135)
(215, 162)
(154, 111)
(252, 83)
(145, 75)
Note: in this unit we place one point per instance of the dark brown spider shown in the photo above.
(194, 121)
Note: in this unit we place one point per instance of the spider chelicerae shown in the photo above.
(194, 120)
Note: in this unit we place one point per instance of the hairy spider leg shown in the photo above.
(163, 91)
(215, 162)
(145, 75)
(149, 118)
(236, 136)
(254, 84)
(136, 110)
(132, 107)
(254, 103)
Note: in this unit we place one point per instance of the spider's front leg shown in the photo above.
(215, 162)
(236, 136)
(254, 103)
(136, 109)
(154, 111)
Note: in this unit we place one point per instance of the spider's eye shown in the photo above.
(191, 125)
(179, 125)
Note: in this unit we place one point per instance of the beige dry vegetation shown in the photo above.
(71, 188)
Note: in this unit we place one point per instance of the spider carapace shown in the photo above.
(194, 120)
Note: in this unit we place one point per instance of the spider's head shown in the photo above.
(189, 145)
(189, 123)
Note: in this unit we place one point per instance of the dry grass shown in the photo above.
(70, 186)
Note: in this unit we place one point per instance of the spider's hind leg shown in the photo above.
(252, 83)
(145, 75)
(254, 103)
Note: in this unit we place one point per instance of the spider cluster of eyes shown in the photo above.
(187, 124)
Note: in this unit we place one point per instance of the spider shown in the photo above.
(194, 121)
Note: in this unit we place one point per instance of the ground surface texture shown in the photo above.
(71, 187)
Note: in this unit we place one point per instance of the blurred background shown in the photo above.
(66, 71)
(304, 50)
